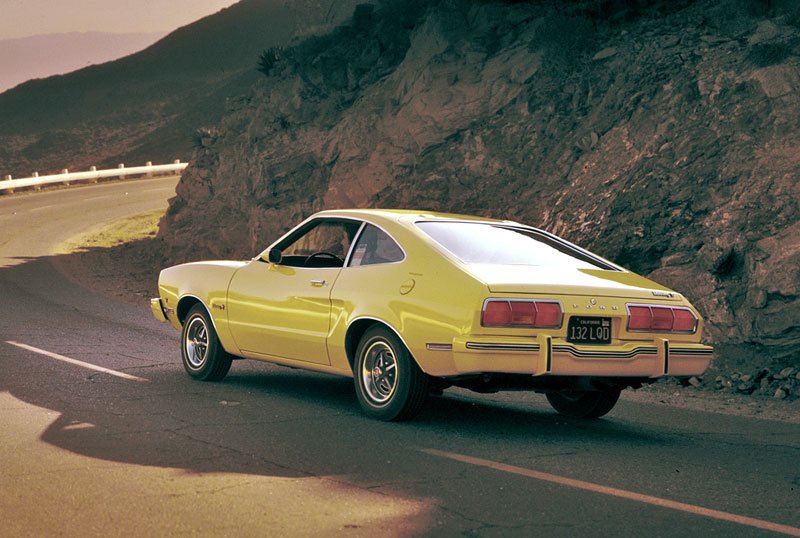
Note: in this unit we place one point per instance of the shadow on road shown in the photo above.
(289, 423)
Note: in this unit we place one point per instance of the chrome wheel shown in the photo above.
(379, 372)
(202, 354)
(196, 342)
(389, 384)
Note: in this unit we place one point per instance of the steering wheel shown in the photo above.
(322, 253)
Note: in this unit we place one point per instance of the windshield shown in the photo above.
(479, 242)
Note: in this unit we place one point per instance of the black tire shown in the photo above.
(202, 355)
(583, 403)
(389, 384)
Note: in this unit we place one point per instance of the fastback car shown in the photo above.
(408, 303)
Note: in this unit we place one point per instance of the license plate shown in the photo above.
(589, 330)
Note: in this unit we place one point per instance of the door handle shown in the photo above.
(318, 283)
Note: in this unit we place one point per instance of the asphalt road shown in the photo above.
(278, 452)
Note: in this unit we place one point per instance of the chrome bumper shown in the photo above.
(553, 356)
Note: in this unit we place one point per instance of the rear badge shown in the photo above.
(663, 294)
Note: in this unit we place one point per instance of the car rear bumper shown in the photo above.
(553, 356)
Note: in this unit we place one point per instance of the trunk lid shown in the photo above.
(569, 281)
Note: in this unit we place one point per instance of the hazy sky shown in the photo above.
(21, 18)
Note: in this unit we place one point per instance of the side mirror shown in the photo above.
(274, 255)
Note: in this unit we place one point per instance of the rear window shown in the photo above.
(476, 242)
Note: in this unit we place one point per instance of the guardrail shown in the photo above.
(93, 174)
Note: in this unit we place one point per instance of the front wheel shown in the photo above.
(583, 403)
(389, 384)
(202, 354)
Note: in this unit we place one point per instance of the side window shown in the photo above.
(375, 246)
(325, 244)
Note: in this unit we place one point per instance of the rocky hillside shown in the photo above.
(147, 106)
(662, 135)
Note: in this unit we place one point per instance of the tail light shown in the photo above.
(519, 313)
(661, 319)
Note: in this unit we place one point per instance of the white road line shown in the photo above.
(77, 362)
(630, 495)
(41, 208)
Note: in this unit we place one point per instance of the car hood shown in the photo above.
(569, 281)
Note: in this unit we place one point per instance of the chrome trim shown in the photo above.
(502, 347)
(599, 354)
(690, 351)
(511, 224)
(213, 321)
(305, 222)
(353, 244)
(358, 236)
(439, 347)
(395, 331)
(628, 311)
(510, 300)
(348, 256)
(582, 250)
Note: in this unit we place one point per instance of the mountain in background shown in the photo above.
(146, 107)
(55, 54)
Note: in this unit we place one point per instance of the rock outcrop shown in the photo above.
(666, 138)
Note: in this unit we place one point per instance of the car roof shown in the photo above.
(408, 215)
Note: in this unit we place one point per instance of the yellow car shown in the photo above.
(408, 303)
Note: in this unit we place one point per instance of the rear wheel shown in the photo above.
(583, 403)
(389, 384)
(202, 354)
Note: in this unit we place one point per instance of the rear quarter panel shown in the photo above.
(439, 306)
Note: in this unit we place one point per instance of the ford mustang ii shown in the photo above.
(409, 303)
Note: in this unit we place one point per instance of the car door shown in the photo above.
(283, 309)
